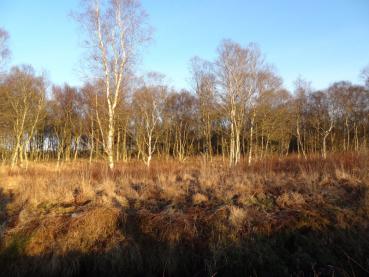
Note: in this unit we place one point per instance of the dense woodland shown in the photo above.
(153, 120)
(237, 107)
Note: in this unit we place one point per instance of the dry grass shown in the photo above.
(185, 217)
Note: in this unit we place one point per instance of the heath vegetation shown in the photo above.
(124, 175)
(276, 217)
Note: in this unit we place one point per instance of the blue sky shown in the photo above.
(321, 40)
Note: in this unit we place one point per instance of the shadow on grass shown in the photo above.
(303, 252)
(291, 229)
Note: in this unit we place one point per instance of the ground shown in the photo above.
(278, 217)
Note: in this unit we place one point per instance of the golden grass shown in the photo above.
(87, 209)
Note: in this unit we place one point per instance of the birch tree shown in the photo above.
(115, 30)
(302, 90)
(365, 75)
(4, 49)
(148, 103)
(265, 80)
(204, 81)
(22, 108)
(274, 120)
(181, 109)
(237, 75)
(66, 110)
(322, 116)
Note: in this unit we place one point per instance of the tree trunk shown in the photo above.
(149, 156)
(348, 134)
(15, 154)
(92, 145)
(110, 141)
(232, 154)
(76, 150)
(251, 137)
(299, 138)
(209, 144)
(117, 155)
(124, 144)
(356, 139)
(238, 145)
(325, 146)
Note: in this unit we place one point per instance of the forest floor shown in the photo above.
(275, 218)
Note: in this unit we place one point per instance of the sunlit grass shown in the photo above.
(186, 218)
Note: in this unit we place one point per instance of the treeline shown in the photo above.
(154, 120)
(237, 106)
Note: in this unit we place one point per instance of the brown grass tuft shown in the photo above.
(184, 208)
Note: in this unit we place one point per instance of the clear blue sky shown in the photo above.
(321, 40)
